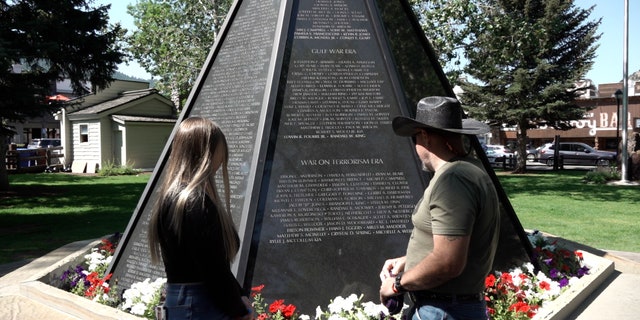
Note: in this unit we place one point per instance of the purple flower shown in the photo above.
(582, 271)
(553, 273)
(65, 275)
(563, 282)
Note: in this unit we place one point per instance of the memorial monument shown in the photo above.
(322, 189)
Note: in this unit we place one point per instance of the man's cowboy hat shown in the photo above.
(438, 113)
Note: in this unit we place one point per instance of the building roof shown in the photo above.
(125, 118)
(124, 98)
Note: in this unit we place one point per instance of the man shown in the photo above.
(455, 224)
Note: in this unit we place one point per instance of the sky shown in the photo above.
(118, 13)
(607, 67)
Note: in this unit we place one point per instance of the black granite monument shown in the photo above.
(322, 189)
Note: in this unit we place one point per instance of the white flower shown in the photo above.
(138, 309)
(336, 305)
(336, 317)
(373, 310)
(573, 280)
(529, 267)
(142, 296)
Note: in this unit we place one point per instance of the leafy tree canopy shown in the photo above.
(50, 40)
(522, 58)
(173, 38)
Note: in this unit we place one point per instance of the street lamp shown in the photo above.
(618, 95)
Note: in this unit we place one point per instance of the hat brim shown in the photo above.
(408, 127)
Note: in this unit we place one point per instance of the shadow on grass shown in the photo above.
(565, 182)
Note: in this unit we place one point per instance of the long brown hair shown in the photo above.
(191, 174)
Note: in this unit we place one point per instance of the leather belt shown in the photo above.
(420, 296)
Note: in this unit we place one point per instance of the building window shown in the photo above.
(84, 133)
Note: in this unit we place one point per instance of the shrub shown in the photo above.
(602, 175)
(111, 169)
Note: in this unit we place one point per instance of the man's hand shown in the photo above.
(386, 290)
(391, 268)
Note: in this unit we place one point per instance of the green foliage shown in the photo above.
(523, 58)
(602, 175)
(52, 40)
(111, 169)
(173, 39)
(445, 23)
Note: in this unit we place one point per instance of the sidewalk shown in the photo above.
(618, 296)
(23, 297)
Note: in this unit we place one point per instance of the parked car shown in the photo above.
(43, 143)
(497, 153)
(576, 153)
(532, 153)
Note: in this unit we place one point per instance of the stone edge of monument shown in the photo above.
(27, 282)
(25, 288)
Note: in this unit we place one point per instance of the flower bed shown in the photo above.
(520, 293)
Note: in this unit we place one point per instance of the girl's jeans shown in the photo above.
(190, 301)
(450, 310)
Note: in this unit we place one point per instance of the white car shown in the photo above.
(496, 154)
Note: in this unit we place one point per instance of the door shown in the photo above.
(117, 148)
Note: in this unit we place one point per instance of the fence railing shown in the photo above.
(34, 160)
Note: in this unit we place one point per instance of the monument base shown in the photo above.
(26, 294)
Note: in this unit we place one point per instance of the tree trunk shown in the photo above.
(4, 175)
(521, 160)
(175, 97)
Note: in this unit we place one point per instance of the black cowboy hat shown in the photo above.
(438, 113)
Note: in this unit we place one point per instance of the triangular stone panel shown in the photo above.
(322, 189)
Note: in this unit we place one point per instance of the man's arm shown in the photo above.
(447, 261)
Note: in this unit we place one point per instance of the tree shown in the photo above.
(173, 38)
(52, 40)
(447, 24)
(523, 60)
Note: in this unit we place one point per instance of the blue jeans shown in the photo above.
(450, 310)
(190, 301)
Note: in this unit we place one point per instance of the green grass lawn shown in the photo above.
(45, 211)
(600, 216)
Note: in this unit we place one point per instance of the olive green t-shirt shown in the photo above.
(460, 200)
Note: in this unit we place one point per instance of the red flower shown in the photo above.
(289, 311)
(256, 290)
(519, 307)
(492, 311)
(276, 306)
(107, 246)
(490, 280)
(578, 254)
(263, 316)
(95, 283)
(545, 285)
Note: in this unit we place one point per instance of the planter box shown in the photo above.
(26, 294)
(28, 289)
(570, 300)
